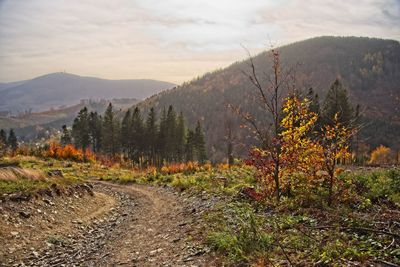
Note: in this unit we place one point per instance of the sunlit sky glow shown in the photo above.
(170, 40)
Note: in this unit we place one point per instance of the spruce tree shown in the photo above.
(65, 136)
(162, 137)
(3, 143)
(189, 146)
(110, 131)
(137, 135)
(171, 141)
(180, 138)
(80, 129)
(337, 102)
(3, 137)
(12, 140)
(199, 143)
(95, 129)
(126, 132)
(151, 136)
(314, 106)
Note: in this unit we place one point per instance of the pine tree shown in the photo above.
(337, 102)
(3, 142)
(126, 132)
(189, 146)
(151, 136)
(162, 137)
(199, 143)
(12, 140)
(171, 141)
(95, 129)
(80, 129)
(3, 137)
(65, 136)
(137, 136)
(180, 138)
(110, 142)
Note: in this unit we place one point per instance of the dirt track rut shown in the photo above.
(146, 226)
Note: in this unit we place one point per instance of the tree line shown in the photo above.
(9, 141)
(145, 141)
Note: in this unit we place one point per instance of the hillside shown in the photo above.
(33, 125)
(64, 89)
(369, 68)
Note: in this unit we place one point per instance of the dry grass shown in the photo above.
(15, 174)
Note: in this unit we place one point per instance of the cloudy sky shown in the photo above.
(171, 40)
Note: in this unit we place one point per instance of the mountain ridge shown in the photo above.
(64, 89)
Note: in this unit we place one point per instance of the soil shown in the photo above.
(117, 225)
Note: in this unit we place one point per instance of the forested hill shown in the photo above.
(368, 67)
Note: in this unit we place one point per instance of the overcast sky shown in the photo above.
(170, 40)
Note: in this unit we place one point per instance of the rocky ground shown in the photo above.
(112, 225)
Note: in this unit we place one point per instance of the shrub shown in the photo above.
(381, 155)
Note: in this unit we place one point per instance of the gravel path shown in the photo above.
(149, 226)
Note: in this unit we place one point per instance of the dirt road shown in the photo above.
(146, 226)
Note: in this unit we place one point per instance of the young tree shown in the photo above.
(301, 154)
(335, 143)
(65, 136)
(12, 140)
(267, 158)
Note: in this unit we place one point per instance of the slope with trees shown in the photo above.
(368, 68)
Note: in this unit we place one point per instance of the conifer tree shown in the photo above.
(126, 131)
(180, 137)
(65, 136)
(162, 137)
(171, 141)
(337, 102)
(95, 129)
(3, 137)
(137, 135)
(189, 146)
(199, 143)
(12, 140)
(110, 142)
(80, 129)
(3, 143)
(151, 136)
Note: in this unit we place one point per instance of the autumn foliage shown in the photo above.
(381, 155)
(68, 152)
(304, 154)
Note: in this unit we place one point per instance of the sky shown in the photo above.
(170, 40)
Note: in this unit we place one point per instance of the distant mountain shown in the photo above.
(64, 89)
(368, 67)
